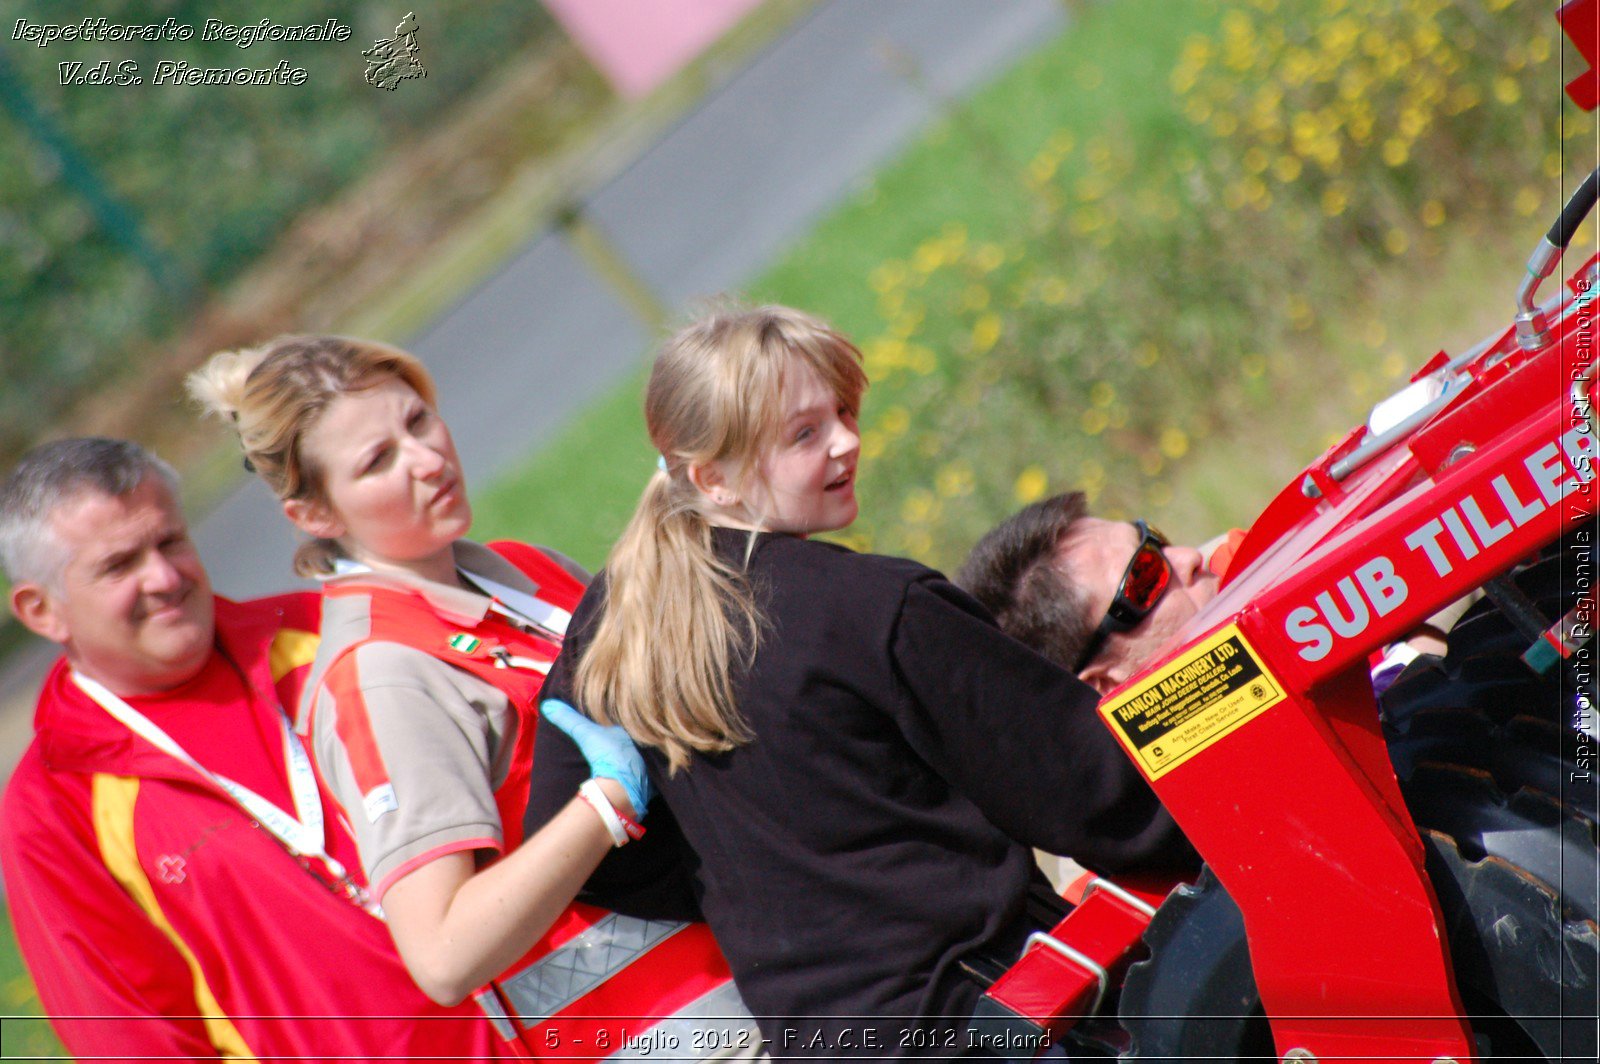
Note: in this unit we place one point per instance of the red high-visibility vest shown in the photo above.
(596, 980)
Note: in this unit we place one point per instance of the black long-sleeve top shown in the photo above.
(906, 755)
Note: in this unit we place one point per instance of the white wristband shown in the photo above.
(591, 792)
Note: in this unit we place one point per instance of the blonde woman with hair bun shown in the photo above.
(860, 759)
(421, 704)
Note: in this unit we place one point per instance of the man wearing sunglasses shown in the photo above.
(1096, 597)
(1101, 597)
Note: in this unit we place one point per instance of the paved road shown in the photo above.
(711, 203)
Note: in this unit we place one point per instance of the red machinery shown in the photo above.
(1327, 925)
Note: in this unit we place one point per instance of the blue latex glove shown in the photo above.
(609, 751)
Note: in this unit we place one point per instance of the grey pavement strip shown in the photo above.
(712, 202)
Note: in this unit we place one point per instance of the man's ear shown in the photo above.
(1102, 675)
(313, 518)
(34, 606)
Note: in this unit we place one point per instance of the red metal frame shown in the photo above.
(1297, 810)
(1580, 19)
(1291, 799)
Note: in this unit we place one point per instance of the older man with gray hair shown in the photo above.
(176, 877)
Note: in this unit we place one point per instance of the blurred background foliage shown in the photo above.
(1165, 260)
(195, 181)
(1194, 228)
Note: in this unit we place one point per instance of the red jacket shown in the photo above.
(157, 922)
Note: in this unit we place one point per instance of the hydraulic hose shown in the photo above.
(1532, 331)
(1576, 210)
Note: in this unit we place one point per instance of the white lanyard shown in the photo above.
(522, 609)
(303, 835)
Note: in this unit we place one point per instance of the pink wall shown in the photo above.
(638, 44)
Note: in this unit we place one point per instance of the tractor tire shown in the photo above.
(1482, 671)
(1528, 972)
(1195, 998)
(1495, 763)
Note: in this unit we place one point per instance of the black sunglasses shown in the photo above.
(1143, 582)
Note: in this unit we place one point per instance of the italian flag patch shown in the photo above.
(465, 643)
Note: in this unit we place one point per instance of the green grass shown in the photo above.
(1197, 351)
(576, 494)
(959, 170)
(1096, 75)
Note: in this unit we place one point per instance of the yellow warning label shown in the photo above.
(1215, 688)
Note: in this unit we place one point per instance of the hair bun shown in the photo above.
(219, 385)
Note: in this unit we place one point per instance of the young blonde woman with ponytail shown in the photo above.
(421, 701)
(858, 756)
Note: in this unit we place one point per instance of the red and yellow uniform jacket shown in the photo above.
(157, 921)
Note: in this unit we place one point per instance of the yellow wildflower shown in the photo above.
(1300, 313)
(989, 257)
(1256, 194)
(888, 277)
(1174, 442)
(919, 506)
(1031, 485)
(954, 480)
(985, 332)
(904, 326)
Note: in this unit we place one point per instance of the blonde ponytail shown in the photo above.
(668, 591)
(679, 622)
